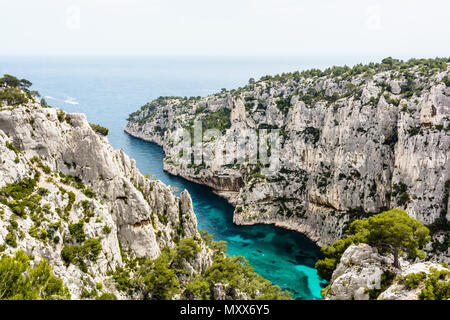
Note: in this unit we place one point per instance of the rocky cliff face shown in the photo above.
(364, 274)
(63, 187)
(353, 141)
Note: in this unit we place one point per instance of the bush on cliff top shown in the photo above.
(99, 129)
(15, 91)
(391, 231)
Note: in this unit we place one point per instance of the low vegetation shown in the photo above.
(160, 278)
(391, 232)
(15, 92)
(436, 286)
(99, 129)
(81, 254)
(219, 120)
(19, 280)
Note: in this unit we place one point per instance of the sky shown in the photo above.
(395, 28)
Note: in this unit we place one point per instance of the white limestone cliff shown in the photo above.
(352, 144)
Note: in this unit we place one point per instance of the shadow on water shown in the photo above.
(284, 257)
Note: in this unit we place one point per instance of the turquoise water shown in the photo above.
(108, 89)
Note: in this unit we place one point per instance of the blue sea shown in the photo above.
(107, 89)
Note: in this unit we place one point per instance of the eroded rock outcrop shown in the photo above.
(364, 274)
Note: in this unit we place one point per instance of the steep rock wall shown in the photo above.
(353, 142)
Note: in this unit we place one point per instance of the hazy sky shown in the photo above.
(226, 27)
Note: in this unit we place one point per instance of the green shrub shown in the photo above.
(12, 147)
(79, 254)
(219, 120)
(99, 129)
(92, 248)
(158, 279)
(163, 219)
(391, 231)
(19, 190)
(155, 279)
(123, 280)
(11, 239)
(436, 286)
(77, 232)
(23, 197)
(61, 115)
(187, 249)
(13, 96)
(238, 274)
(197, 289)
(89, 193)
(70, 202)
(106, 229)
(46, 169)
(107, 296)
(18, 281)
(42, 192)
(86, 294)
(311, 135)
(412, 280)
(326, 266)
(403, 199)
(72, 181)
(284, 104)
